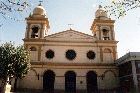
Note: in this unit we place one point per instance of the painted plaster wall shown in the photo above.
(60, 54)
(110, 81)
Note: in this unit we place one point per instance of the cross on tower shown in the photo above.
(100, 2)
(70, 25)
(40, 1)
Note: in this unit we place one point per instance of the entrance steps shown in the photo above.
(61, 91)
(84, 91)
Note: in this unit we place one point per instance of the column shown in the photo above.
(135, 80)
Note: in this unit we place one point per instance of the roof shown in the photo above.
(71, 36)
(128, 57)
(101, 14)
(39, 12)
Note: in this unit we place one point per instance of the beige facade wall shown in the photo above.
(60, 54)
(81, 53)
(108, 81)
(102, 43)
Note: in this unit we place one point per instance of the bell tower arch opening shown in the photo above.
(34, 33)
(105, 34)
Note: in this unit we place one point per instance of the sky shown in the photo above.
(80, 13)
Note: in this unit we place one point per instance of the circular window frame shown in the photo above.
(50, 50)
(89, 57)
(73, 58)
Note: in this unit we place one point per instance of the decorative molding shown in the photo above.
(39, 19)
(34, 40)
(72, 64)
(101, 21)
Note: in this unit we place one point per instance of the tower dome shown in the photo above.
(39, 12)
(101, 14)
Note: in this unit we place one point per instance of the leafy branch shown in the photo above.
(13, 6)
(119, 8)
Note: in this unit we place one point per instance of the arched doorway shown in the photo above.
(70, 82)
(91, 82)
(48, 81)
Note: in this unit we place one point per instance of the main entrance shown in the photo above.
(48, 81)
(70, 82)
(91, 82)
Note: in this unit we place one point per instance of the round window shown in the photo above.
(49, 54)
(91, 55)
(70, 54)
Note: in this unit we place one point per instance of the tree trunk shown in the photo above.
(15, 84)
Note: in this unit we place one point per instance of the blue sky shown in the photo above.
(78, 12)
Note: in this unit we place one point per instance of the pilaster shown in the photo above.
(135, 80)
(39, 53)
(101, 54)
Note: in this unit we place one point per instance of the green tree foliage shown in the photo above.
(119, 8)
(14, 61)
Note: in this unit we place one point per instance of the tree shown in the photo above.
(16, 6)
(14, 62)
(119, 8)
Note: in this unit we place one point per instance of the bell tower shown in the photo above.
(37, 24)
(103, 30)
(103, 26)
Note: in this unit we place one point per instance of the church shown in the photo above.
(70, 60)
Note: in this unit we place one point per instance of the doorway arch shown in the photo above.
(48, 81)
(70, 82)
(91, 79)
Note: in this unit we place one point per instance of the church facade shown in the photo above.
(70, 60)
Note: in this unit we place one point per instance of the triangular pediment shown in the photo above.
(70, 34)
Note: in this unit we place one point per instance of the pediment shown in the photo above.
(70, 34)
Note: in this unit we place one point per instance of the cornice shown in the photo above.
(33, 40)
(39, 19)
(70, 32)
(107, 41)
(101, 21)
(72, 64)
(104, 21)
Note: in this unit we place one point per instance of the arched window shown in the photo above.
(110, 79)
(33, 54)
(33, 49)
(106, 50)
(108, 55)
